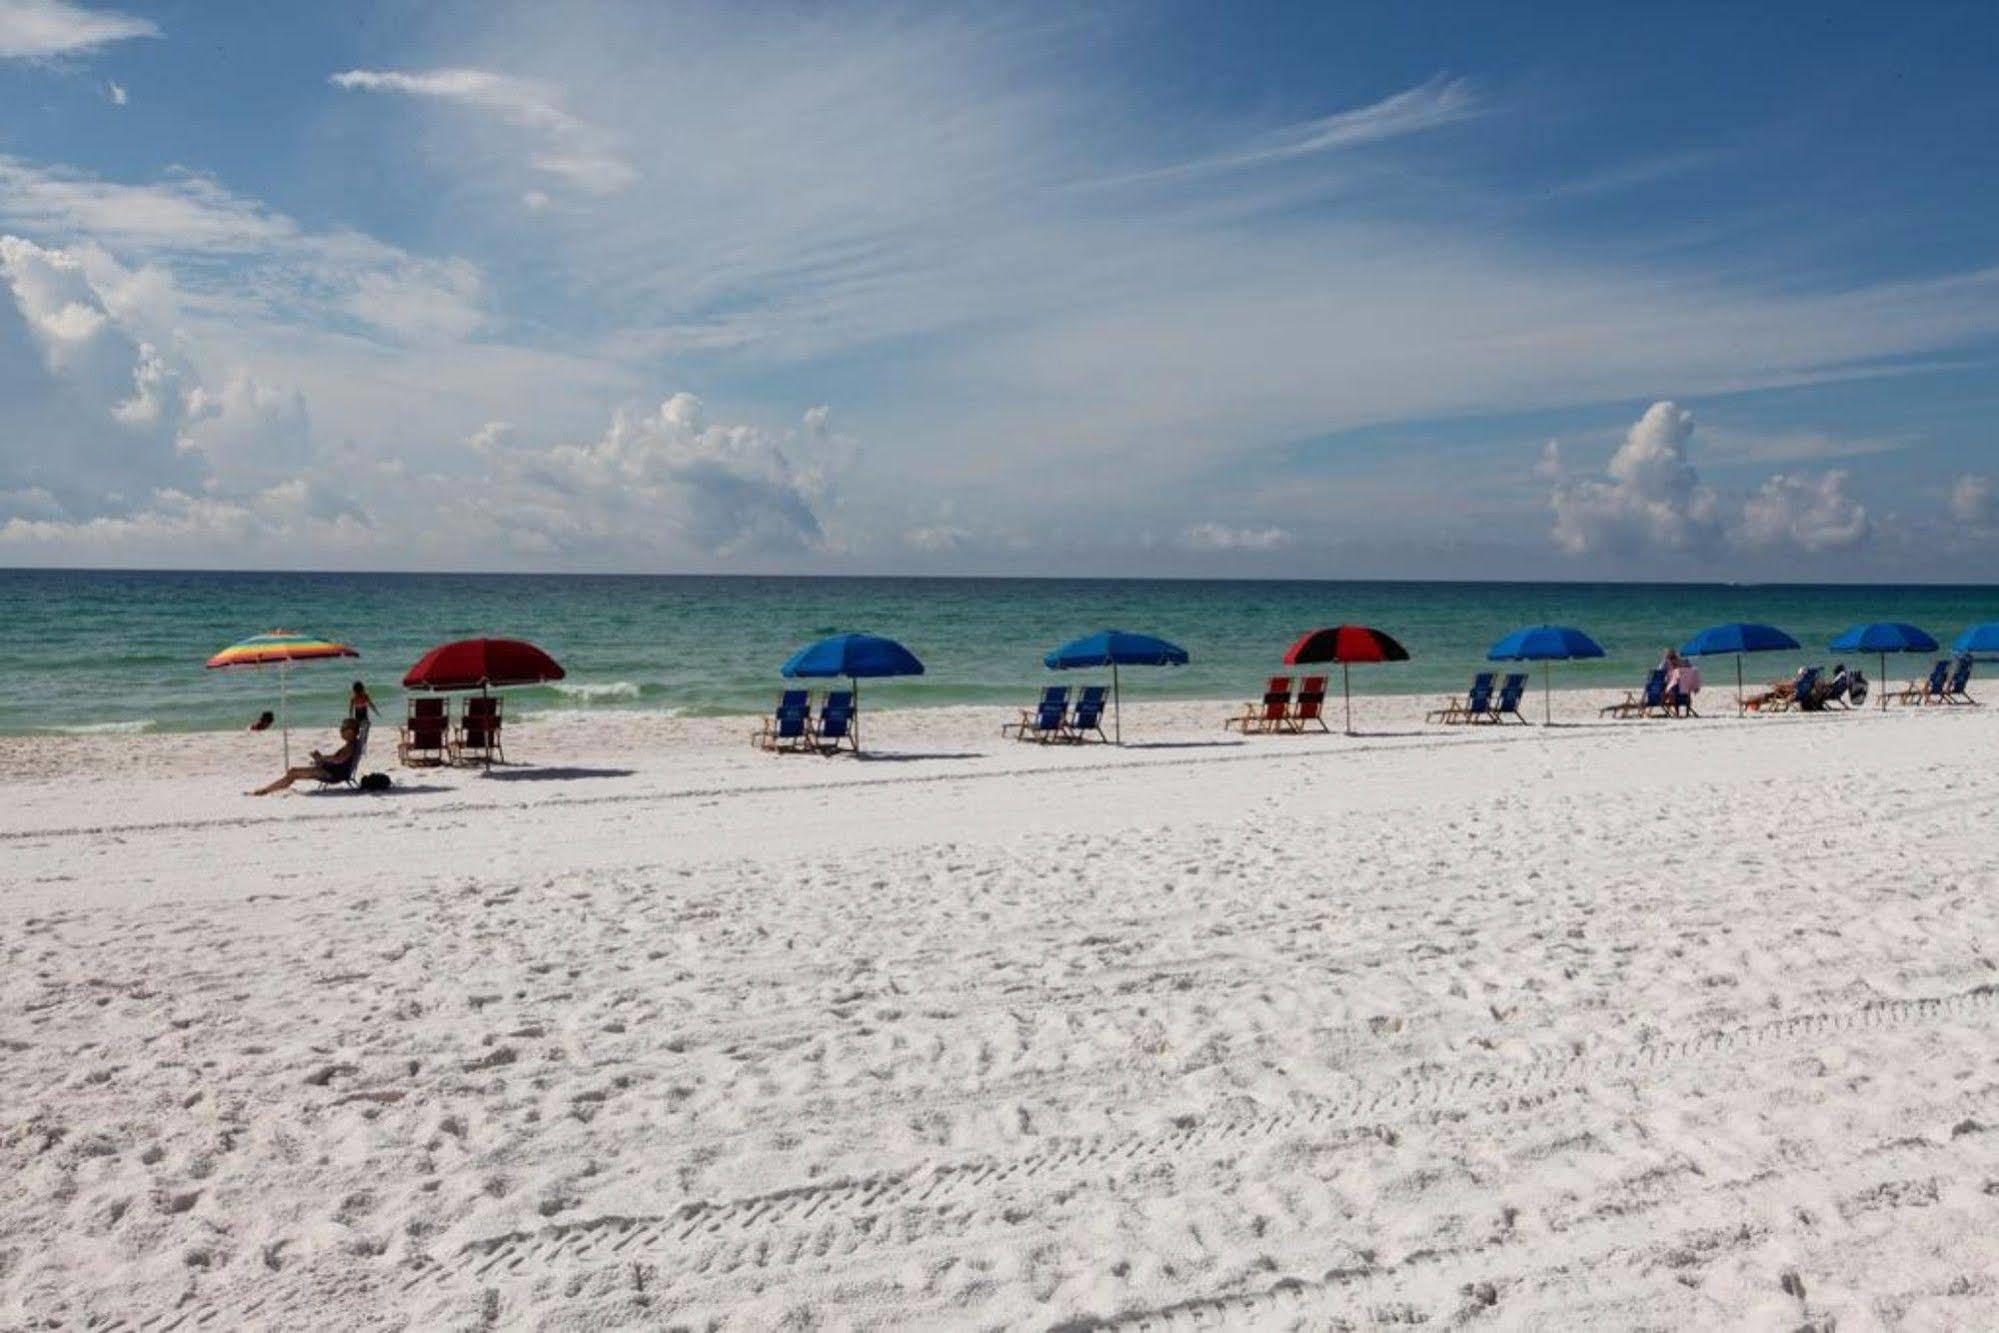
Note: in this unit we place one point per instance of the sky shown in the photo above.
(1316, 290)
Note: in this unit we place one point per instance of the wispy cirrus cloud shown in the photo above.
(50, 29)
(1425, 107)
(566, 147)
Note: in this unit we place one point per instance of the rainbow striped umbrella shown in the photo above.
(279, 648)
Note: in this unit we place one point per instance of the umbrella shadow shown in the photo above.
(560, 774)
(1181, 745)
(896, 757)
(398, 789)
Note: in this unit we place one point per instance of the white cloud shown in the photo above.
(1653, 499)
(235, 253)
(1221, 537)
(115, 91)
(1974, 499)
(45, 29)
(1427, 106)
(937, 537)
(725, 490)
(570, 149)
(1806, 513)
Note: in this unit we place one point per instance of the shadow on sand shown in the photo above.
(894, 757)
(555, 774)
(1179, 745)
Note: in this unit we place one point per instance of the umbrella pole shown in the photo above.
(284, 711)
(1884, 682)
(1117, 707)
(1346, 688)
(1741, 703)
(1547, 695)
(855, 684)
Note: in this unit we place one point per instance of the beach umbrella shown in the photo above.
(1544, 644)
(1883, 637)
(1978, 640)
(1344, 644)
(1738, 637)
(1114, 648)
(858, 657)
(279, 648)
(483, 665)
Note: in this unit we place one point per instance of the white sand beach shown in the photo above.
(1659, 1024)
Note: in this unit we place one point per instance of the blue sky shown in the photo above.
(1316, 290)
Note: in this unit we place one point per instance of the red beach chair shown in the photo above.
(478, 735)
(426, 734)
(1272, 714)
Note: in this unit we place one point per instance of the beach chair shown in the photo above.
(349, 773)
(836, 724)
(1046, 721)
(1087, 717)
(1272, 714)
(784, 731)
(1476, 704)
(1928, 689)
(1805, 696)
(1511, 691)
(1856, 688)
(1310, 705)
(1643, 702)
(477, 738)
(1956, 690)
(425, 739)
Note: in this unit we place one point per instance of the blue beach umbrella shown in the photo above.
(1544, 644)
(1114, 648)
(1883, 637)
(1978, 640)
(858, 657)
(1738, 637)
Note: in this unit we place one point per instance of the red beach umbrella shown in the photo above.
(482, 664)
(1345, 644)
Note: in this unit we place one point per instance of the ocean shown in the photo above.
(115, 651)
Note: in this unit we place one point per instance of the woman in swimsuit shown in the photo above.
(333, 767)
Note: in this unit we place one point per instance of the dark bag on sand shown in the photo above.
(375, 782)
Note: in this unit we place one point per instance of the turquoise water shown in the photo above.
(124, 651)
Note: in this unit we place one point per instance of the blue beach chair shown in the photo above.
(1088, 715)
(1476, 704)
(785, 729)
(836, 724)
(1511, 691)
(1805, 696)
(1644, 702)
(1956, 690)
(1046, 720)
(1928, 690)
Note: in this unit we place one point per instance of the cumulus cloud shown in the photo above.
(1974, 499)
(567, 147)
(1220, 537)
(115, 91)
(1805, 512)
(104, 417)
(1652, 500)
(46, 29)
(728, 489)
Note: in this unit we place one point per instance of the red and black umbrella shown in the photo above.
(482, 664)
(1344, 644)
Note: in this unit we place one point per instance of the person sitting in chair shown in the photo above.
(335, 767)
(1783, 690)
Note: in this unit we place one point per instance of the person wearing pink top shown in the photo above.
(1683, 682)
